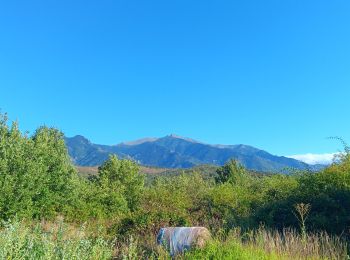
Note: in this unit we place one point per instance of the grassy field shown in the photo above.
(58, 240)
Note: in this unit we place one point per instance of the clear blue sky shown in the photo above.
(272, 74)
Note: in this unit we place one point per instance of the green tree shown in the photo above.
(17, 168)
(55, 170)
(231, 172)
(35, 172)
(123, 176)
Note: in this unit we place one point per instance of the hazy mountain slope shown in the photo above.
(177, 152)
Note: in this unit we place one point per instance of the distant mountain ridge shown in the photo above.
(174, 151)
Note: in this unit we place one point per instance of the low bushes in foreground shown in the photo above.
(47, 240)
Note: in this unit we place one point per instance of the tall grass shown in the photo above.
(45, 240)
(231, 249)
(292, 245)
(265, 244)
(21, 241)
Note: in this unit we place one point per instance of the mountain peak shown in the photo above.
(140, 141)
(175, 136)
(80, 139)
(174, 151)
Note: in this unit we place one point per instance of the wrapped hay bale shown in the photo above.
(179, 239)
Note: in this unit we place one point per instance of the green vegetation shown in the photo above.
(262, 244)
(19, 240)
(48, 211)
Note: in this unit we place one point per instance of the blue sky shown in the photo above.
(272, 74)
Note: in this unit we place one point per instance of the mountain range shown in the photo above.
(174, 151)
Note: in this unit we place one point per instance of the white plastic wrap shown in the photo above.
(179, 239)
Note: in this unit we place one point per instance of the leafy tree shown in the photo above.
(122, 176)
(231, 172)
(56, 172)
(17, 179)
(35, 172)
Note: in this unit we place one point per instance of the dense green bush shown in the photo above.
(38, 180)
(176, 201)
(327, 191)
(122, 176)
(36, 175)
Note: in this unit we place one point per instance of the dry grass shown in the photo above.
(289, 244)
(86, 171)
